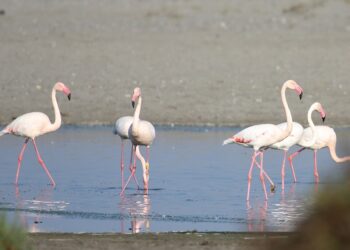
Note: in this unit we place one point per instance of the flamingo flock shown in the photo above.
(140, 133)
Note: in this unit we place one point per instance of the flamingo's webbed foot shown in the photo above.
(273, 188)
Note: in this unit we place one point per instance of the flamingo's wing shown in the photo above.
(28, 125)
(256, 135)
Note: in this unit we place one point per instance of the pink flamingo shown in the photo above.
(294, 137)
(33, 124)
(141, 133)
(259, 137)
(315, 138)
(122, 126)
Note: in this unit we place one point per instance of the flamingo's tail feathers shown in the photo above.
(228, 141)
(3, 132)
(236, 139)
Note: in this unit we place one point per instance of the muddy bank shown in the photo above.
(198, 62)
(189, 240)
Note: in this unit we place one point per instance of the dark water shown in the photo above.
(196, 184)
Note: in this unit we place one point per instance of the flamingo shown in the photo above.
(141, 133)
(259, 137)
(31, 125)
(315, 138)
(122, 126)
(294, 137)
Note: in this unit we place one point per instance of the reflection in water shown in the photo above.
(41, 202)
(289, 210)
(138, 208)
(256, 217)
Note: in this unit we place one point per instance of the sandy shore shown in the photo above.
(220, 241)
(197, 61)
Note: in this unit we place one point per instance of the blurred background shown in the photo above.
(198, 62)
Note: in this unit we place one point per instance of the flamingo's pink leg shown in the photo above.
(291, 166)
(43, 164)
(20, 157)
(122, 163)
(315, 167)
(266, 175)
(132, 170)
(250, 174)
(290, 158)
(283, 168)
(262, 174)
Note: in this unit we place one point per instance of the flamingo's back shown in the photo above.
(29, 125)
(258, 136)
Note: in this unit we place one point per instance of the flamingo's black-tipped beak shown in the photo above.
(69, 96)
(301, 95)
(323, 118)
(133, 104)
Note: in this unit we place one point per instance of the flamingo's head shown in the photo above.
(136, 94)
(317, 106)
(59, 86)
(293, 85)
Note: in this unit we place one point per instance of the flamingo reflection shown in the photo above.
(137, 207)
(30, 216)
(256, 217)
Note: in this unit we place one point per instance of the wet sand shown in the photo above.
(198, 62)
(191, 240)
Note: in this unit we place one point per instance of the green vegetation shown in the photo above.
(12, 236)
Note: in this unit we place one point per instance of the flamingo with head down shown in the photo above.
(34, 124)
(295, 136)
(122, 126)
(315, 138)
(259, 137)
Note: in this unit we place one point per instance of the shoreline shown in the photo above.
(155, 241)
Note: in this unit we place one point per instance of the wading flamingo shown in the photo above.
(141, 133)
(259, 137)
(33, 124)
(295, 137)
(122, 126)
(316, 138)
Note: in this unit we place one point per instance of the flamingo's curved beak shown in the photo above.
(323, 118)
(133, 104)
(301, 95)
(69, 96)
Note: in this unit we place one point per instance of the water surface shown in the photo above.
(195, 183)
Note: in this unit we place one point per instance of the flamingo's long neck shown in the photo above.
(312, 126)
(332, 150)
(58, 120)
(135, 123)
(285, 133)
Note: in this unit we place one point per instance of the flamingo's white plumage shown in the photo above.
(259, 137)
(34, 124)
(317, 138)
(141, 133)
(295, 137)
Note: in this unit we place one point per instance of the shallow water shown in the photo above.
(195, 184)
